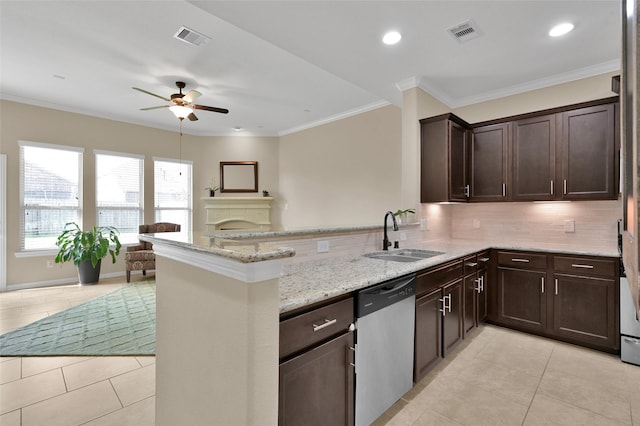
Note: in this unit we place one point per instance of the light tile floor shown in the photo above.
(495, 377)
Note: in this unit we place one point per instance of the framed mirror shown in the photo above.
(238, 176)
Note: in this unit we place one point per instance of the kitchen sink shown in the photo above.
(404, 255)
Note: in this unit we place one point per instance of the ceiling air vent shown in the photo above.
(192, 37)
(465, 31)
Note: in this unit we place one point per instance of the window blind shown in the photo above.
(50, 192)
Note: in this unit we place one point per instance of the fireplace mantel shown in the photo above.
(237, 213)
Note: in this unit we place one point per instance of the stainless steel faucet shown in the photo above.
(385, 242)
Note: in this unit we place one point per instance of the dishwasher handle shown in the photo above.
(394, 286)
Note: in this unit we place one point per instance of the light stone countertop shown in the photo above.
(319, 279)
(313, 281)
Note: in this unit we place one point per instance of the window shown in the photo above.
(172, 194)
(120, 193)
(50, 192)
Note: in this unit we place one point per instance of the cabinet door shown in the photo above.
(482, 301)
(584, 310)
(534, 158)
(489, 163)
(317, 387)
(457, 162)
(452, 321)
(428, 343)
(588, 153)
(522, 299)
(470, 308)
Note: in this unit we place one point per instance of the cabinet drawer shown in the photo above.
(307, 329)
(483, 260)
(470, 265)
(522, 260)
(436, 277)
(585, 266)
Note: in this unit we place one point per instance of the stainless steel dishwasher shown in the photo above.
(384, 346)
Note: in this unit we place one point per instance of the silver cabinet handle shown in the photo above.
(467, 191)
(483, 259)
(444, 306)
(556, 285)
(478, 288)
(632, 341)
(578, 265)
(504, 189)
(551, 186)
(326, 323)
(471, 264)
(482, 283)
(520, 260)
(449, 297)
(564, 186)
(542, 284)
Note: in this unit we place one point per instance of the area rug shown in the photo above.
(122, 322)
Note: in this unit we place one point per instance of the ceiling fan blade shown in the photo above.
(152, 94)
(192, 117)
(155, 107)
(208, 108)
(192, 96)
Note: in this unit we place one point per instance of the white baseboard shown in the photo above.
(60, 281)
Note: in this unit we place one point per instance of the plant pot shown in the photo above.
(87, 274)
(212, 193)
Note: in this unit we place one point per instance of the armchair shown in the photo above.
(141, 257)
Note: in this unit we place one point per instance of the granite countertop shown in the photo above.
(313, 281)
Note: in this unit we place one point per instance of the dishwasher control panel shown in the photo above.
(384, 294)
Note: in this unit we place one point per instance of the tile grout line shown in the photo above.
(538, 386)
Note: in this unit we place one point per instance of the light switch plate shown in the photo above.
(476, 223)
(403, 236)
(569, 225)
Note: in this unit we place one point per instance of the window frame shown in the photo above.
(189, 225)
(26, 252)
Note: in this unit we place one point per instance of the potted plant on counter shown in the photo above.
(401, 215)
(87, 248)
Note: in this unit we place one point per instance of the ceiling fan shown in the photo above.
(182, 104)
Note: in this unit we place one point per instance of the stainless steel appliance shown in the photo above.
(384, 347)
(629, 326)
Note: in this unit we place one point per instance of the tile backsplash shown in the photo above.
(595, 222)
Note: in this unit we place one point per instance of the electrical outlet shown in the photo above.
(403, 236)
(476, 223)
(323, 246)
(569, 225)
(424, 224)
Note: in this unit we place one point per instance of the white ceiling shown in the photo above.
(283, 66)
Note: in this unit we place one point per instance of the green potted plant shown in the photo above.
(402, 214)
(87, 248)
(212, 188)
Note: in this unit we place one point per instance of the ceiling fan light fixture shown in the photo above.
(180, 111)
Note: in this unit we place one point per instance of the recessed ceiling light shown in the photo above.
(392, 37)
(561, 29)
(237, 128)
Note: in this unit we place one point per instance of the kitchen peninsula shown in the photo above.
(219, 301)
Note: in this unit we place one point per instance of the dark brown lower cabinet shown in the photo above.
(428, 339)
(521, 299)
(452, 319)
(482, 301)
(470, 305)
(585, 309)
(317, 387)
(570, 298)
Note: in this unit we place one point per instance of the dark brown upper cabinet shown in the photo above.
(566, 153)
(589, 160)
(489, 163)
(444, 145)
(534, 159)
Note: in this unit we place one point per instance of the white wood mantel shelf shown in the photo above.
(229, 213)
